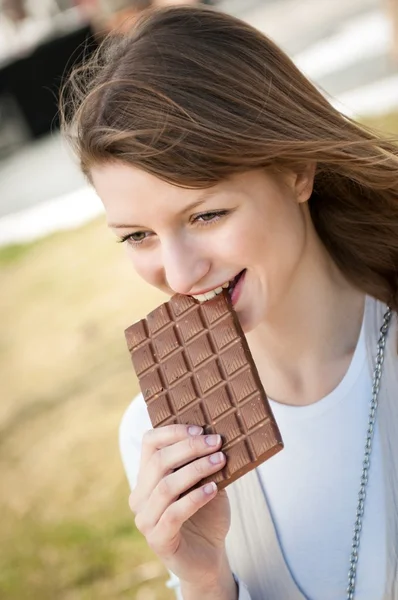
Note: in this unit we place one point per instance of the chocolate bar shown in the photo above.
(194, 367)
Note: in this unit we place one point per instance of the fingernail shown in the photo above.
(210, 488)
(195, 430)
(212, 440)
(215, 459)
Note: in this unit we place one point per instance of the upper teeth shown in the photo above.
(211, 294)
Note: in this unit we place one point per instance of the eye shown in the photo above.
(134, 239)
(139, 237)
(209, 217)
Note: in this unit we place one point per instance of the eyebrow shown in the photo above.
(206, 195)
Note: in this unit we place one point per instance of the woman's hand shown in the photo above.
(187, 533)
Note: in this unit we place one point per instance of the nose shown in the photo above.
(184, 266)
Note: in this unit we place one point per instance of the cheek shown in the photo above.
(276, 239)
(144, 266)
(237, 245)
(283, 247)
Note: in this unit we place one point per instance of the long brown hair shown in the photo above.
(193, 96)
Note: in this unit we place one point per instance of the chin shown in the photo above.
(247, 321)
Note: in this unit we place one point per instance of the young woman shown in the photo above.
(216, 158)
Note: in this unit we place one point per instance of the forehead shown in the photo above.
(125, 189)
(113, 180)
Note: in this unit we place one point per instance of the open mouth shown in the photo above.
(233, 283)
(229, 286)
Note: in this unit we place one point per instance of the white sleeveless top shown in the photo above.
(311, 487)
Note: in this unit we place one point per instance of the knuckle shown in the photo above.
(172, 516)
(141, 524)
(193, 499)
(164, 487)
(132, 502)
(193, 444)
(147, 438)
(152, 540)
(198, 466)
(159, 460)
(176, 430)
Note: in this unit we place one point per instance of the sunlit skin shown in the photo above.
(302, 318)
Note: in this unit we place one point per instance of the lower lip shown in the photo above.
(236, 292)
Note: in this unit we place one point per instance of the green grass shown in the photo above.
(13, 253)
(45, 555)
(66, 531)
(53, 560)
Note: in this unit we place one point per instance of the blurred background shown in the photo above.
(67, 292)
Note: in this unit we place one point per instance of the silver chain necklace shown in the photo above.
(352, 574)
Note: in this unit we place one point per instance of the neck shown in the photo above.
(304, 347)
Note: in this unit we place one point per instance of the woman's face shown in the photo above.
(192, 241)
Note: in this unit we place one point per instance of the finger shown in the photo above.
(167, 459)
(171, 487)
(158, 438)
(164, 537)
